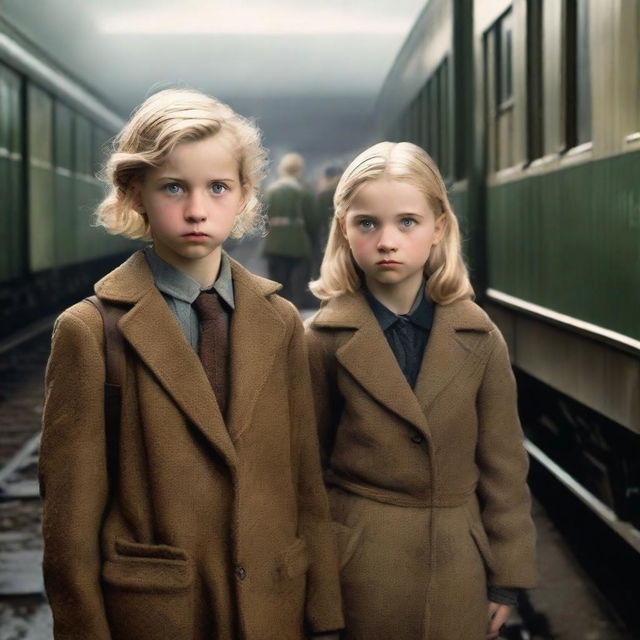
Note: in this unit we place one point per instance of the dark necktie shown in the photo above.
(214, 343)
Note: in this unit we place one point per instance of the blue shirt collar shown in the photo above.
(420, 314)
(179, 285)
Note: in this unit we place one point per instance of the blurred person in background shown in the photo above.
(288, 246)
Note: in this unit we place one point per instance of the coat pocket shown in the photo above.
(294, 561)
(148, 591)
(347, 542)
(482, 542)
(290, 592)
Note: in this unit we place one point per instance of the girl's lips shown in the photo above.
(387, 263)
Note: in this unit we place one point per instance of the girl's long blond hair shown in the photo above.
(448, 276)
(163, 121)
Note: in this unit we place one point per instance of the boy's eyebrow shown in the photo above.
(160, 178)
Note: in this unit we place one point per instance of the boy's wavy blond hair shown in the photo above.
(404, 161)
(163, 121)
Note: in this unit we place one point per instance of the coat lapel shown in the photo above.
(368, 357)
(455, 344)
(257, 336)
(151, 330)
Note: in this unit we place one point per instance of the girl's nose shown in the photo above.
(387, 240)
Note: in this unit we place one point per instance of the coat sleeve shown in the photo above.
(327, 400)
(323, 603)
(73, 479)
(503, 464)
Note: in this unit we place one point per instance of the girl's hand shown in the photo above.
(498, 615)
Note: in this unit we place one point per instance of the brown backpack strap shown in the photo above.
(114, 359)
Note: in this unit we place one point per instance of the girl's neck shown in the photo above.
(397, 297)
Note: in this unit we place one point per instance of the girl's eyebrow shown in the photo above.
(402, 214)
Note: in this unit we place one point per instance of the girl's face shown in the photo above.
(192, 200)
(391, 230)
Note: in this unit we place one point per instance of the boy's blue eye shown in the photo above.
(218, 188)
(172, 188)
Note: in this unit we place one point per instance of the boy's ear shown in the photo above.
(246, 195)
(135, 193)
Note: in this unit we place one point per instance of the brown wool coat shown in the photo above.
(214, 531)
(427, 485)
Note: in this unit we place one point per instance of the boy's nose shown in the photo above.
(195, 211)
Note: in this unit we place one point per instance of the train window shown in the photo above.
(12, 223)
(64, 207)
(424, 116)
(417, 118)
(63, 127)
(40, 138)
(535, 107)
(577, 73)
(432, 96)
(630, 69)
(498, 69)
(83, 159)
(444, 117)
(414, 122)
(463, 89)
(504, 60)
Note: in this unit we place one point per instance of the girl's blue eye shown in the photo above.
(218, 188)
(407, 222)
(172, 188)
(366, 224)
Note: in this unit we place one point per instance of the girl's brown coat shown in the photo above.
(453, 444)
(212, 530)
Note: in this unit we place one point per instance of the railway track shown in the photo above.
(24, 613)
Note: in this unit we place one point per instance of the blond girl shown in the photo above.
(416, 406)
(204, 515)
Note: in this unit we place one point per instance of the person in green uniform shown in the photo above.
(288, 245)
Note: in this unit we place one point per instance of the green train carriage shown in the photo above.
(532, 110)
(53, 135)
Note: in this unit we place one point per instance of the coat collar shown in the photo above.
(453, 345)
(152, 331)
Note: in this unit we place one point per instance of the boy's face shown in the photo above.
(192, 200)
(391, 230)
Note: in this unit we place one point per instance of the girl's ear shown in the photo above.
(343, 226)
(439, 228)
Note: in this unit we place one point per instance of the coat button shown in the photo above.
(241, 573)
(418, 438)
